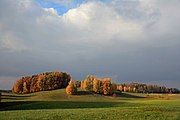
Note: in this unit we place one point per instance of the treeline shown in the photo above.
(92, 84)
(41, 82)
(57, 80)
(106, 87)
(144, 88)
(97, 85)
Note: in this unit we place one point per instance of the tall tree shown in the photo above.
(97, 86)
(107, 86)
(71, 89)
(18, 86)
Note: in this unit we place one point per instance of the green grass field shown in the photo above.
(56, 105)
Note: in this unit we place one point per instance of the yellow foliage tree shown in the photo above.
(82, 84)
(88, 83)
(97, 86)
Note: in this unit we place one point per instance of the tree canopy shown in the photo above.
(41, 82)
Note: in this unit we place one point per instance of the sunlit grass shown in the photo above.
(50, 105)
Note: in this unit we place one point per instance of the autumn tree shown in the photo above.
(82, 85)
(130, 88)
(41, 82)
(114, 87)
(18, 86)
(120, 88)
(97, 86)
(134, 89)
(71, 89)
(34, 86)
(26, 84)
(88, 83)
(125, 88)
(25, 89)
(78, 84)
(107, 86)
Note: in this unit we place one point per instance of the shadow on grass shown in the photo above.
(127, 95)
(14, 97)
(118, 94)
(83, 93)
(34, 105)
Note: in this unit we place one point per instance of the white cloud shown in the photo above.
(51, 11)
(25, 4)
(100, 21)
(92, 22)
(124, 37)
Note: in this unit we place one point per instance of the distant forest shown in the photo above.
(57, 80)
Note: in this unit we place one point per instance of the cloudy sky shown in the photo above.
(128, 40)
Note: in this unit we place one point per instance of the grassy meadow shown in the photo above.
(57, 105)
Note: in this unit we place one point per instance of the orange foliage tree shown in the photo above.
(18, 86)
(98, 85)
(41, 82)
(114, 87)
(71, 89)
(107, 86)
(82, 84)
(120, 88)
(125, 89)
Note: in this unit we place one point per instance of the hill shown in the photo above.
(57, 105)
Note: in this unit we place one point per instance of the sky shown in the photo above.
(128, 40)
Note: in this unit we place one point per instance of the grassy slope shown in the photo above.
(57, 105)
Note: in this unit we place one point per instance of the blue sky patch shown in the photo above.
(62, 8)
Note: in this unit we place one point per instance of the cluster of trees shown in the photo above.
(41, 82)
(144, 88)
(97, 85)
(56, 80)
